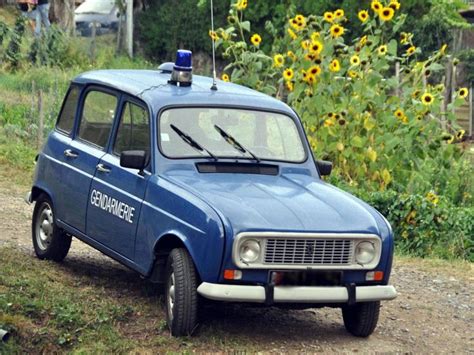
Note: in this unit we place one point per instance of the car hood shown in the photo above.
(287, 202)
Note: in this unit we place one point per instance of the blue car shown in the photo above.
(212, 191)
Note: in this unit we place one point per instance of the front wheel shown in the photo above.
(181, 293)
(361, 319)
(49, 241)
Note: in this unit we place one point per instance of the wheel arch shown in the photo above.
(162, 248)
(37, 191)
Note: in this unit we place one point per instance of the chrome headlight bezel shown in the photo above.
(250, 251)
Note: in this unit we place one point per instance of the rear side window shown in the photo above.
(68, 113)
(134, 129)
(97, 117)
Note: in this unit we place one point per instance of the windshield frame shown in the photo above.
(296, 121)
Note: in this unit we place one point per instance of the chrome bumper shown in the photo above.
(295, 294)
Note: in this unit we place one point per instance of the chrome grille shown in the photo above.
(308, 251)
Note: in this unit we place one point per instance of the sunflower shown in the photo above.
(231, 19)
(432, 197)
(292, 34)
(353, 74)
(328, 123)
(386, 14)
(415, 94)
(363, 40)
(316, 47)
(288, 74)
(394, 4)
(329, 16)
(290, 86)
(305, 44)
(315, 36)
(463, 92)
(460, 134)
(427, 99)
(256, 40)
(241, 5)
(443, 48)
(363, 15)
(225, 78)
(278, 60)
(355, 60)
(336, 31)
(315, 70)
(411, 50)
(335, 66)
(301, 20)
(291, 55)
(310, 57)
(382, 50)
(294, 24)
(330, 115)
(339, 13)
(213, 35)
(376, 6)
(399, 114)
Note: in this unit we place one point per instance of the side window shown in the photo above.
(134, 130)
(66, 117)
(97, 117)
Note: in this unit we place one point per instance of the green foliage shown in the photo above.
(426, 225)
(13, 52)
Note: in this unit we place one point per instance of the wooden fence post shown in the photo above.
(40, 119)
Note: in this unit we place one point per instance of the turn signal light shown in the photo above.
(374, 276)
(232, 274)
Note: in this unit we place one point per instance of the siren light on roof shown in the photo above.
(182, 74)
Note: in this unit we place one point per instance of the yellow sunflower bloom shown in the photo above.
(315, 36)
(460, 134)
(427, 99)
(335, 66)
(328, 16)
(213, 35)
(386, 14)
(339, 13)
(353, 74)
(292, 55)
(355, 60)
(290, 86)
(241, 5)
(376, 6)
(315, 70)
(316, 47)
(363, 40)
(463, 92)
(328, 123)
(382, 50)
(432, 197)
(411, 50)
(394, 4)
(363, 15)
(399, 114)
(278, 60)
(443, 48)
(256, 40)
(292, 34)
(288, 74)
(336, 31)
(225, 78)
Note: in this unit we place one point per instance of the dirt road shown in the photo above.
(432, 314)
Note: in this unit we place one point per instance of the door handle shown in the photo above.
(68, 153)
(102, 168)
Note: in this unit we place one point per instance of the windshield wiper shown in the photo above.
(233, 142)
(185, 137)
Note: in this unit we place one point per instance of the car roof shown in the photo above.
(152, 87)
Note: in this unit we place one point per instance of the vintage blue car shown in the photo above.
(210, 190)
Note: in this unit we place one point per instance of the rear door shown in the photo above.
(117, 193)
(83, 154)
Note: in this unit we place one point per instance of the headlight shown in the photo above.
(249, 251)
(365, 253)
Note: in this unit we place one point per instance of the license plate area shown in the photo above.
(306, 278)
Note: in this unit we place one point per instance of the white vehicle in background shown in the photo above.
(103, 12)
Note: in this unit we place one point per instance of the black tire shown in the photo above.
(49, 241)
(361, 319)
(181, 298)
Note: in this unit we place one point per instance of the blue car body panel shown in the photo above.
(205, 211)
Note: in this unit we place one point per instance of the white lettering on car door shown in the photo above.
(112, 206)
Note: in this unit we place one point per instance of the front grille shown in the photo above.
(308, 251)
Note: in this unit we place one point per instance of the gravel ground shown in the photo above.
(432, 314)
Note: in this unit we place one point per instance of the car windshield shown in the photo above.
(229, 133)
(96, 7)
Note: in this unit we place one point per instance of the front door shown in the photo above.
(117, 193)
(83, 154)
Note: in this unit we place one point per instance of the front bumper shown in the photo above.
(295, 294)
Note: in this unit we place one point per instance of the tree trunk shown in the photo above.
(63, 14)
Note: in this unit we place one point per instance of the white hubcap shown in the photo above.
(44, 227)
(171, 296)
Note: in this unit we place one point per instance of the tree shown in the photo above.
(63, 13)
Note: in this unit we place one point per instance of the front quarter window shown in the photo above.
(268, 135)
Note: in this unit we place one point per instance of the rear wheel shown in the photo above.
(180, 293)
(49, 241)
(361, 319)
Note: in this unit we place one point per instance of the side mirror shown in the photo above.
(324, 167)
(134, 159)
